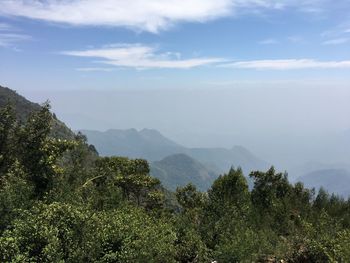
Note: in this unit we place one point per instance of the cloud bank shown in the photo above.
(144, 15)
(141, 57)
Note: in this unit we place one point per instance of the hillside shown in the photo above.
(24, 107)
(333, 180)
(180, 169)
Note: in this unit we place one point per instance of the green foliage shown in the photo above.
(8, 124)
(131, 177)
(189, 198)
(269, 188)
(130, 235)
(230, 190)
(15, 192)
(39, 153)
(271, 200)
(49, 233)
(190, 246)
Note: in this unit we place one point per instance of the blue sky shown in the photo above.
(77, 44)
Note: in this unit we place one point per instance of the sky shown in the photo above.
(204, 72)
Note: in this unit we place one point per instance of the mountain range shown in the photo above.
(151, 145)
(177, 165)
(332, 180)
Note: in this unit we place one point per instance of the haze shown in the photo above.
(272, 76)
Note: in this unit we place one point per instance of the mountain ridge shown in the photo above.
(333, 180)
(150, 144)
(23, 108)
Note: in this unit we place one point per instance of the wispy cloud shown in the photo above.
(95, 69)
(141, 57)
(296, 39)
(10, 39)
(290, 39)
(288, 64)
(336, 41)
(146, 15)
(269, 41)
(9, 36)
(6, 27)
(337, 35)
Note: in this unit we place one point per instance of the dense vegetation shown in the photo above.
(61, 202)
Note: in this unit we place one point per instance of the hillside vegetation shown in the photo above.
(61, 203)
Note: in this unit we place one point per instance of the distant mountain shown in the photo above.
(180, 169)
(147, 143)
(179, 165)
(24, 107)
(333, 180)
(309, 167)
(222, 159)
(152, 145)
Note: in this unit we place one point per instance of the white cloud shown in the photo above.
(141, 57)
(336, 41)
(9, 39)
(288, 64)
(149, 15)
(146, 15)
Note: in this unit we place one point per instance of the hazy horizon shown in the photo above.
(289, 128)
(272, 76)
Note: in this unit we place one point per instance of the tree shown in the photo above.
(230, 190)
(225, 215)
(322, 199)
(8, 126)
(51, 233)
(16, 192)
(189, 244)
(131, 177)
(131, 235)
(189, 198)
(38, 152)
(271, 200)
